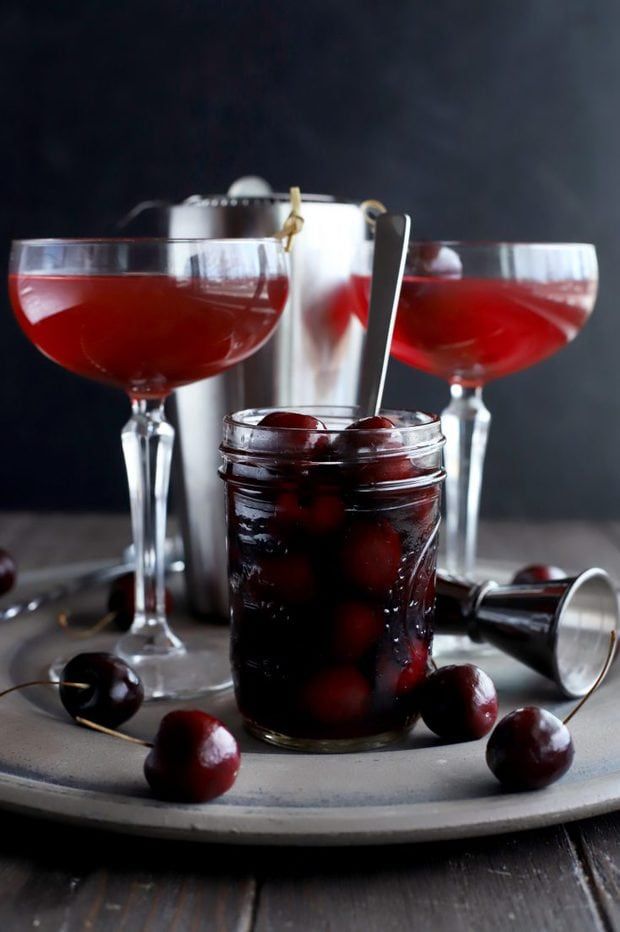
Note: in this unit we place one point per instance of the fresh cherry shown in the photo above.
(8, 571)
(459, 702)
(336, 696)
(300, 433)
(121, 601)
(114, 692)
(194, 758)
(370, 555)
(538, 572)
(529, 749)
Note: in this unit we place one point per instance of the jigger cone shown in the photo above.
(560, 628)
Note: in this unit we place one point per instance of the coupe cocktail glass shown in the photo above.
(147, 316)
(473, 312)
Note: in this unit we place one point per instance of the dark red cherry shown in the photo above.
(288, 578)
(357, 628)
(300, 434)
(114, 693)
(529, 749)
(370, 555)
(121, 601)
(290, 419)
(459, 702)
(385, 469)
(368, 435)
(324, 514)
(336, 696)
(194, 758)
(8, 571)
(538, 572)
(397, 679)
(423, 504)
(376, 422)
(375, 435)
(288, 509)
(415, 672)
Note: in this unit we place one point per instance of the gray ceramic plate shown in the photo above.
(417, 791)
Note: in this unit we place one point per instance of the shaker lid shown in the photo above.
(251, 190)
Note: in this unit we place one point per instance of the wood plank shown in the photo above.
(529, 881)
(53, 878)
(597, 843)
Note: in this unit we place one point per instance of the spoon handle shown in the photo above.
(391, 242)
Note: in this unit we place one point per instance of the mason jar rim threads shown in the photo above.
(412, 434)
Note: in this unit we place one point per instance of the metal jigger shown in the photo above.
(561, 628)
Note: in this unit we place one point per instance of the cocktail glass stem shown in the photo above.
(147, 446)
(465, 424)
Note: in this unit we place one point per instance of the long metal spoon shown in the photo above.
(391, 242)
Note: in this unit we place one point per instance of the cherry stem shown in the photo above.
(599, 679)
(433, 664)
(112, 733)
(5, 692)
(63, 620)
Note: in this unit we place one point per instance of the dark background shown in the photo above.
(482, 119)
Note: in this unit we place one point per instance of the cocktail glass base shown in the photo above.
(182, 674)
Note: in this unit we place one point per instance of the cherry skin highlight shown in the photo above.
(538, 572)
(529, 749)
(8, 571)
(114, 693)
(459, 702)
(194, 758)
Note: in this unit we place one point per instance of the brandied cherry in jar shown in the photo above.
(332, 534)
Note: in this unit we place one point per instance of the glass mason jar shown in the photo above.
(332, 542)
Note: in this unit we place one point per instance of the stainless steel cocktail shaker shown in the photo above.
(314, 357)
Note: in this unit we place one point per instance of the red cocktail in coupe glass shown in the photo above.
(147, 316)
(473, 312)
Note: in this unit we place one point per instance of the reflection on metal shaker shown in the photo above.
(313, 358)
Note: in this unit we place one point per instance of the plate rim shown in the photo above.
(355, 824)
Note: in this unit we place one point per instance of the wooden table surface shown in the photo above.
(565, 878)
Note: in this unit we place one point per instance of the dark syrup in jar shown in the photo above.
(332, 554)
